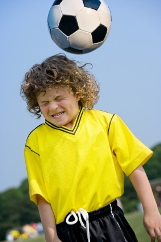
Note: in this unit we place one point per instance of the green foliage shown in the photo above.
(29, 211)
(153, 171)
(16, 209)
(153, 166)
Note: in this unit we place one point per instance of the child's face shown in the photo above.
(58, 106)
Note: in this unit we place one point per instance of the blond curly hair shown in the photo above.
(57, 71)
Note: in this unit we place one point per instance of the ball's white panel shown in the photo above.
(80, 40)
(104, 5)
(88, 19)
(54, 16)
(71, 7)
(104, 14)
(59, 38)
(92, 47)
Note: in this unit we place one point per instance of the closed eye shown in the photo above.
(59, 98)
(44, 103)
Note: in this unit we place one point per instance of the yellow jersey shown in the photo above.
(82, 167)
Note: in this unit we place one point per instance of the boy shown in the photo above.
(76, 160)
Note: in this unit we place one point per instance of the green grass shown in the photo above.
(37, 239)
(136, 222)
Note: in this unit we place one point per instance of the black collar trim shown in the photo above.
(65, 129)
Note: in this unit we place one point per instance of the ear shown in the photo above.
(77, 98)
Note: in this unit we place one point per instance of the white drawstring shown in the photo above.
(85, 215)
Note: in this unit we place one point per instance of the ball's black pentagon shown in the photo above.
(94, 4)
(68, 24)
(74, 51)
(57, 2)
(99, 34)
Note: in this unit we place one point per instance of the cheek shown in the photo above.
(44, 109)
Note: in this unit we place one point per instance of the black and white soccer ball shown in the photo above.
(79, 26)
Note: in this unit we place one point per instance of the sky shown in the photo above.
(127, 66)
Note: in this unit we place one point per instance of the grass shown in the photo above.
(39, 238)
(136, 222)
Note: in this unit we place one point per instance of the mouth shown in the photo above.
(57, 115)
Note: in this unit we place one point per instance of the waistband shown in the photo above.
(106, 210)
(96, 214)
(87, 217)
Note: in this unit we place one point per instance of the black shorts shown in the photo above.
(104, 225)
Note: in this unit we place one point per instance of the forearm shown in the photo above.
(152, 218)
(142, 186)
(48, 220)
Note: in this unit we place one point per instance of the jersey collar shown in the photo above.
(65, 129)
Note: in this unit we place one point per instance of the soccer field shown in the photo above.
(136, 222)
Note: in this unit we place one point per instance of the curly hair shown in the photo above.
(58, 71)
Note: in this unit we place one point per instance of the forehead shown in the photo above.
(54, 92)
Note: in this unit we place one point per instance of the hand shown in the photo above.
(152, 224)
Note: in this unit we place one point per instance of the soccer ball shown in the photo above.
(79, 26)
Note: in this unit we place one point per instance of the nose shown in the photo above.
(53, 105)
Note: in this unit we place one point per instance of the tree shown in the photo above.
(10, 202)
(16, 209)
(29, 211)
(153, 167)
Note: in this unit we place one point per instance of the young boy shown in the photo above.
(76, 160)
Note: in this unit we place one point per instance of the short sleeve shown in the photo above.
(34, 172)
(129, 151)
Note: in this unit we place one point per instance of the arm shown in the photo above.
(47, 219)
(152, 217)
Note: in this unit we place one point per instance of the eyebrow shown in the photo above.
(44, 101)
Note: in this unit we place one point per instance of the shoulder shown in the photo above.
(39, 130)
(100, 115)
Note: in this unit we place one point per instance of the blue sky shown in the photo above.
(127, 66)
